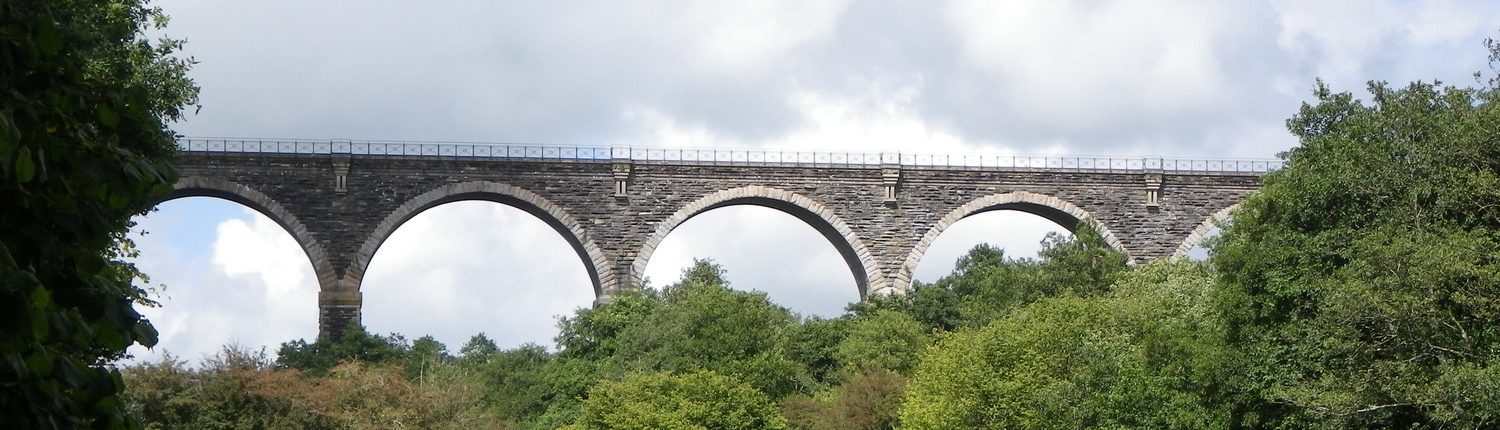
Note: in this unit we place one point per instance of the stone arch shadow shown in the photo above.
(197, 186)
(867, 274)
(571, 230)
(1201, 232)
(1060, 211)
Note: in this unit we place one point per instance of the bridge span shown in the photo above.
(341, 199)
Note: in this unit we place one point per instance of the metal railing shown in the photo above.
(725, 156)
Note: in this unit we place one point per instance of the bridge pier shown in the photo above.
(339, 306)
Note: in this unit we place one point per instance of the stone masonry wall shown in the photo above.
(612, 231)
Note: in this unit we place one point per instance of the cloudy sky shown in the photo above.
(1155, 77)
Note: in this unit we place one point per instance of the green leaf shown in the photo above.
(108, 337)
(48, 39)
(41, 298)
(25, 169)
(145, 334)
(9, 135)
(118, 200)
(107, 115)
(40, 362)
(70, 373)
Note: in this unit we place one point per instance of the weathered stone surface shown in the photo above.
(614, 233)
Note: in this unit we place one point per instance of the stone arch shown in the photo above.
(867, 273)
(198, 186)
(1054, 209)
(552, 214)
(1201, 232)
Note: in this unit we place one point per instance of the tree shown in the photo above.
(870, 400)
(516, 383)
(355, 344)
(593, 333)
(588, 343)
(477, 351)
(697, 400)
(702, 324)
(425, 354)
(84, 145)
(1361, 284)
(885, 339)
(812, 343)
(1142, 356)
(986, 285)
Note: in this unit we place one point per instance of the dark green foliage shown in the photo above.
(520, 380)
(478, 350)
(425, 354)
(813, 344)
(592, 333)
(84, 146)
(885, 339)
(355, 344)
(702, 324)
(661, 401)
(695, 324)
(986, 285)
(1145, 355)
(1362, 284)
(588, 343)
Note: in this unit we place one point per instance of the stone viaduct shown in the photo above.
(341, 199)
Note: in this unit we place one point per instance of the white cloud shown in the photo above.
(255, 287)
(761, 249)
(753, 36)
(878, 117)
(1349, 42)
(1087, 63)
(463, 268)
(1018, 233)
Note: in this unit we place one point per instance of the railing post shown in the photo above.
(890, 176)
(620, 157)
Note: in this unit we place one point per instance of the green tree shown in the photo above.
(1142, 356)
(812, 343)
(478, 350)
(355, 344)
(885, 339)
(425, 354)
(84, 146)
(661, 401)
(593, 333)
(588, 343)
(702, 324)
(986, 285)
(870, 400)
(516, 383)
(1362, 284)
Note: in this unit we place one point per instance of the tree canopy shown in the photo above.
(84, 145)
(1142, 356)
(697, 400)
(1361, 283)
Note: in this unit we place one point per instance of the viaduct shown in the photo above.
(341, 199)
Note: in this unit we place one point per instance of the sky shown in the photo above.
(1076, 77)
